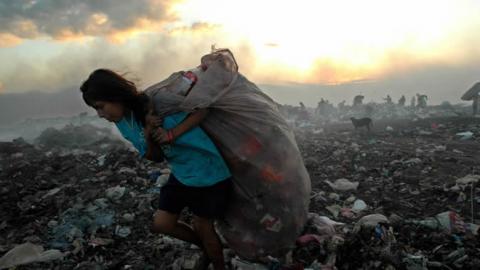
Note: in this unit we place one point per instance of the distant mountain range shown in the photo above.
(17, 107)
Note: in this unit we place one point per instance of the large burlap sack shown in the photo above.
(271, 185)
(472, 93)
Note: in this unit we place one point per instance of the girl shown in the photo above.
(200, 178)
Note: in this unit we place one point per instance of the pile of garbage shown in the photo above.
(408, 192)
(86, 200)
(74, 137)
(403, 197)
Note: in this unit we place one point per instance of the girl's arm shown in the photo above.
(162, 136)
(191, 121)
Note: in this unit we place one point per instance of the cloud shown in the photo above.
(272, 44)
(160, 56)
(327, 71)
(9, 40)
(151, 57)
(196, 28)
(72, 18)
(147, 58)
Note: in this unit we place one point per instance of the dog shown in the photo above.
(362, 122)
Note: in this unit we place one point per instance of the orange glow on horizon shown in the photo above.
(8, 40)
(318, 42)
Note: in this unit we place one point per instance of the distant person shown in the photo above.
(412, 102)
(320, 110)
(422, 101)
(358, 100)
(388, 99)
(303, 113)
(401, 101)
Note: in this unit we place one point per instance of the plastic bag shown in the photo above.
(28, 253)
(448, 221)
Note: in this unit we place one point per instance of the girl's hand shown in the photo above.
(154, 130)
(161, 136)
(151, 123)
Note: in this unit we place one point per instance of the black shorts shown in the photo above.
(207, 202)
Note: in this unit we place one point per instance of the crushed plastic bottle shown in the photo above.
(187, 81)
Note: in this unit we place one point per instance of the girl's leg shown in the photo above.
(210, 241)
(167, 223)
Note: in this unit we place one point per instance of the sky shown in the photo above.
(298, 50)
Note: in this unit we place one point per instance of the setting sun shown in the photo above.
(355, 37)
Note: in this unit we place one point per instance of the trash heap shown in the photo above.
(402, 197)
(81, 194)
(408, 193)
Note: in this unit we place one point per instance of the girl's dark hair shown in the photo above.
(106, 85)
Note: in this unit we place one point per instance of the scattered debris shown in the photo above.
(28, 253)
(406, 199)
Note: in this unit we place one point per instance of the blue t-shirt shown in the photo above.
(193, 158)
(133, 132)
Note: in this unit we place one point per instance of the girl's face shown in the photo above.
(111, 111)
